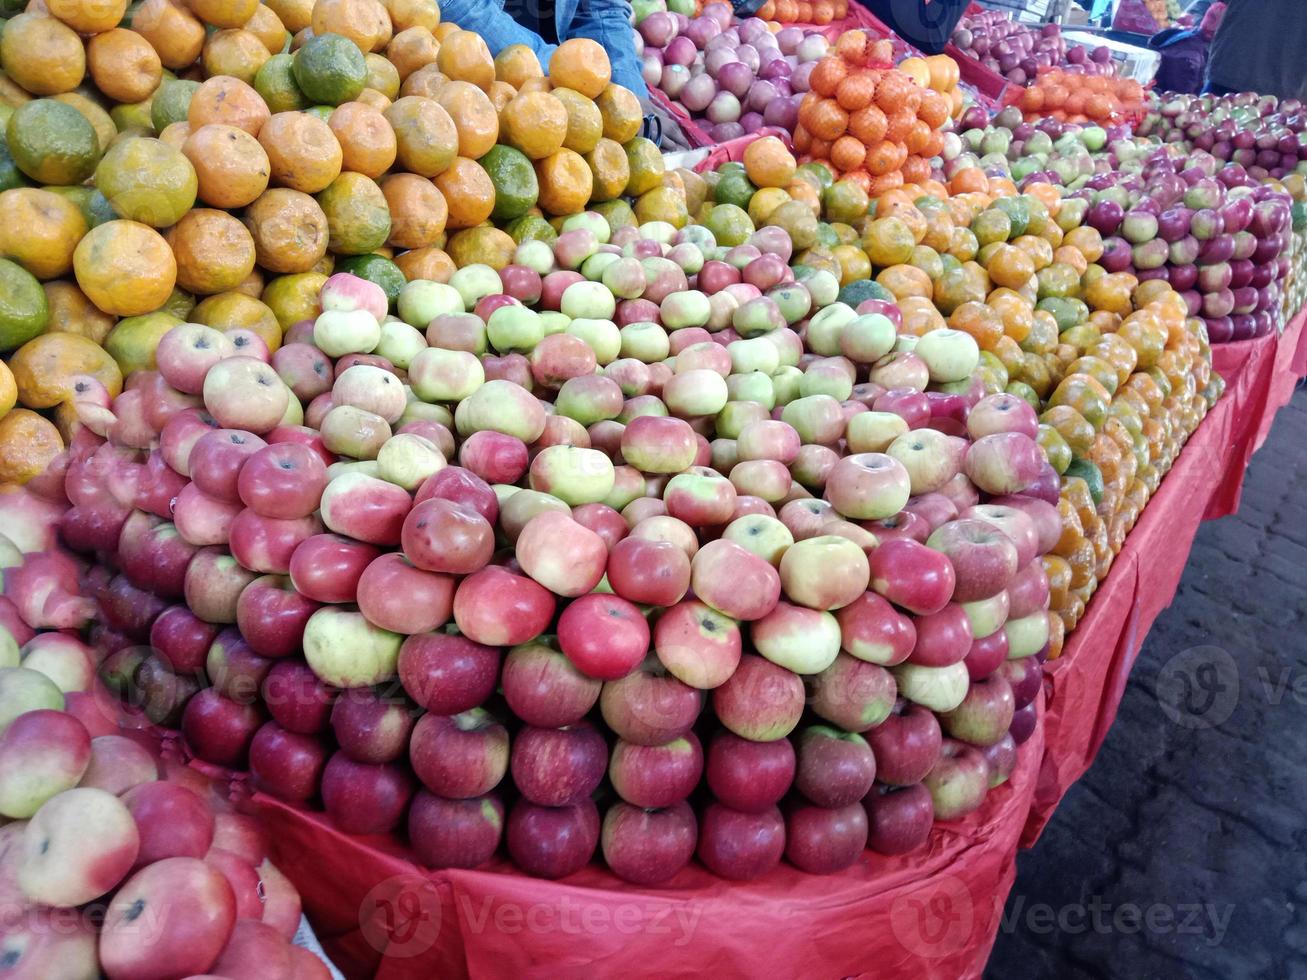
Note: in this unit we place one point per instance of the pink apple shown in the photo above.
(700, 497)
(649, 572)
(201, 519)
(42, 753)
(396, 596)
(117, 764)
(307, 371)
(911, 575)
(734, 581)
(659, 445)
(60, 865)
(1048, 523)
(173, 821)
(943, 637)
(282, 481)
(761, 701)
(493, 456)
(328, 567)
(365, 508)
(245, 393)
(984, 559)
(604, 521)
(217, 458)
(214, 582)
(187, 352)
(1004, 462)
(1028, 592)
(496, 607)
(542, 687)
(266, 544)
(605, 636)
(1002, 413)
(561, 554)
(1016, 524)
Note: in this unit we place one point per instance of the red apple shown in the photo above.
(1001, 758)
(296, 698)
(218, 729)
(255, 949)
(117, 764)
(1016, 524)
(853, 694)
(1023, 722)
(822, 840)
(327, 567)
(943, 638)
(911, 575)
(459, 756)
(446, 673)
(552, 842)
(214, 582)
(656, 776)
(646, 847)
(984, 715)
(1028, 593)
(362, 798)
(271, 615)
(984, 559)
(399, 597)
(217, 458)
(365, 508)
(760, 701)
(160, 693)
(455, 833)
(494, 457)
(235, 671)
(734, 581)
(172, 821)
(286, 764)
(558, 766)
(462, 486)
(371, 727)
(648, 706)
(190, 910)
(603, 635)
(442, 536)
(986, 655)
(283, 481)
(899, 818)
(749, 776)
(697, 644)
(873, 630)
(958, 781)
(541, 686)
(182, 639)
(906, 744)
(738, 845)
(498, 608)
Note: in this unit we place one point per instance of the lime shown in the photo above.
(1018, 212)
(330, 69)
(378, 269)
(10, 175)
(52, 142)
(24, 311)
(358, 218)
(819, 171)
(730, 224)
(734, 188)
(172, 102)
(94, 206)
(516, 184)
(532, 228)
(1085, 470)
(179, 304)
(992, 225)
(147, 181)
(275, 83)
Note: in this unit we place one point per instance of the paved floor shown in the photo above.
(1183, 852)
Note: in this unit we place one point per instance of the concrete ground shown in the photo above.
(1183, 852)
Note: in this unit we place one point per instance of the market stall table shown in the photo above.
(931, 914)
(1085, 685)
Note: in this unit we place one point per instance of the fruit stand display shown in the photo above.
(388, 433)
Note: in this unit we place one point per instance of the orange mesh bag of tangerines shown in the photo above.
(870, 122)
(1072, 96)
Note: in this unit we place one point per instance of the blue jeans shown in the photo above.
(605, 21)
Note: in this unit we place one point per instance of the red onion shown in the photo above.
(702, 30)
(735, 77)
(783, 112)
(658, 29)
(679, 51)
(723, 131)
(724, 108)
(673, 81)
(698, 92)
(751, 121)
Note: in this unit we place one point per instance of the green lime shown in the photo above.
(1018, 212)
(275, 83)
(378, 269)
(734, 188)
(358, 219)
(24, 311)
(172, 102)
(52, 142)
(531, 228)
(730, 224)
(646, 164)
(862, 290)
(992, 225)
(1083, 469)
(516, 185)
(133, 340)
(1050, 440)
(330, 69)
(819, 170)
(94, 206)
(179, 303)
(617, 213)
(147, 181)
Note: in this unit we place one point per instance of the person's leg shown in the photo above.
(609, 23)
(487, 18)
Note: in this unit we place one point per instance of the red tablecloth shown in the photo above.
(929, 915)
(1085, 685)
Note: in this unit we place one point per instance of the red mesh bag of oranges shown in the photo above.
(869, 122)
(819, 12)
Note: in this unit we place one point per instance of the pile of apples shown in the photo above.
(113, 863)
(643, 521)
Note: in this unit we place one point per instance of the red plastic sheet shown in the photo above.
(1085, 685)
(930, 915)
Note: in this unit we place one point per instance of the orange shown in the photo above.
(848, 154)
(501, 93)
(414, 13)
(410, 50)
(289, 230)
(582, 64)
(417, 210)
(474, 117)
(516, 63)
(28, 444)
(39, 230)
(8, 390)
(464, 55)
(88, 18)
(367, 142)
(827, 75)
(469, 193)
(426, 263)
(175, 135)
(536, 123)
(621, 113)
(235, 52)
(365, 22)
(72, 312)
(295, 15)
(585, 123)
(228, 101)
(371, 97)
(483, 244)
(223, 13)
(382, 77)
(43, 55)
(268, 28)
(231, 166)
(236, 310)
(769, 164)
(214, 251)
(855, 91)
(565, 183)
(303, 152)
(427, 81)
(125, 268)
(171, 30)
(44, 368)
(426, 138)
(609, 169)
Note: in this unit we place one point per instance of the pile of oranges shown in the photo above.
(939, 73)
(1072, 96)
(214, 161)
(874, 125)
(819, 12)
